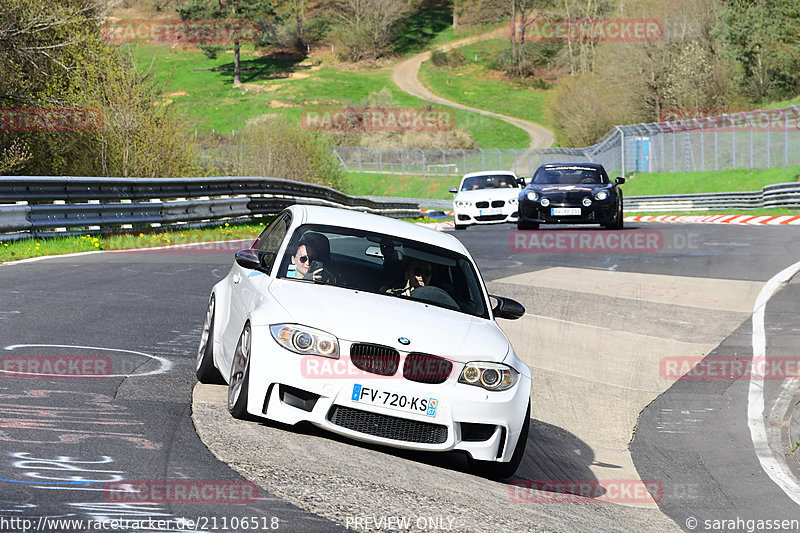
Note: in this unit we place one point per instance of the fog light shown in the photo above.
(587, 202)
(545, 202)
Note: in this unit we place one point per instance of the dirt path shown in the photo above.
(405, 76)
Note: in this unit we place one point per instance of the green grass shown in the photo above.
(399, 185)
(784, 103)
(473, 84)
(714, 181)
(209, 101)
(37, 247)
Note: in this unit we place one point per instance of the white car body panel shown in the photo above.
(359, 316)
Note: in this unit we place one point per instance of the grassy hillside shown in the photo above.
(284, 86)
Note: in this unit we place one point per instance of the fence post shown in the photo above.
(464, 168)
(380, 160)
(515, 159)
(444, 162)
(424, 175)
(360, 161)
(483, 159)
(499, 158)
(622, 148)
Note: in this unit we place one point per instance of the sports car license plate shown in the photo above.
(561, 211)
(392, 400)
(489, 212)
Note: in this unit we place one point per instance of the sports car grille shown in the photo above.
(388, 427)
(481, 205)
(487, 218)
(424, 368)
(498, 203)
(375, 359)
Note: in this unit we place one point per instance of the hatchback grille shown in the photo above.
(388, 427)
(424, 368)
(481, 205)
(375, 359)
(498, 203)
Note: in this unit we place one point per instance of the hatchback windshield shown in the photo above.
(570, 175)
(386, 265)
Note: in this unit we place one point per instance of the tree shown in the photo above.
(246, 11)
(366, 27)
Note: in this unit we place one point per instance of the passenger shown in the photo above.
(416, 274)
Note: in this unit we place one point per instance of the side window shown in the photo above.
(271, 238)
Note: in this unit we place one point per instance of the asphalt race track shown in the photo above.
(621, 438)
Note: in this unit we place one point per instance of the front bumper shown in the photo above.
(597, 213)
(483, 423)
(465, 216)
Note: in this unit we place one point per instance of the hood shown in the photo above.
(358, 316)
(488, 194)
(554, 187)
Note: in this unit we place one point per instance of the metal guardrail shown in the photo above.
(62, 203)
(786, 195)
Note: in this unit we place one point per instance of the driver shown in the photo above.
(310, 251)
(416, 274)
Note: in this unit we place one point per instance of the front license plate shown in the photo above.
(489, 212)
(402, 402)
(561, 211)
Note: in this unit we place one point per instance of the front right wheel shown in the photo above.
(205, 370)
(523, 225)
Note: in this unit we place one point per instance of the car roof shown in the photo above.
(490, 173)
(573, 163)
(348, 218)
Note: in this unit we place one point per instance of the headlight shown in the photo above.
(587, 202)
(532, 196)
(602, 195)
(490, 376)
(305, 340)
(463, 203)
(545, 202)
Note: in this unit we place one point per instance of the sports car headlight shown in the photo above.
(532, 196)
(545, 202)
(602, 195)
(305, 340)
(490, 376)
(463, 203)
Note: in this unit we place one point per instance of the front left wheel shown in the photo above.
(240, 376)
(494, 470)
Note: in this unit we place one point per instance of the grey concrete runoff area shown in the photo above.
(603, 335)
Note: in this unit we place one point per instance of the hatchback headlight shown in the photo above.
(532, 196)
(305, 340)
(602, 195)
(490, 376)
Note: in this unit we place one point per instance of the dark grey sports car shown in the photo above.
(571, 193)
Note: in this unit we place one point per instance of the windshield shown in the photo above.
(570, 175)
(500, 181)
(380, 264)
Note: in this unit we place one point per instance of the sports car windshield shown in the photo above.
(386, 265)
(500, 181)
(570, 175)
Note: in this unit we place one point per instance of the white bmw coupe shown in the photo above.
(486, 197)
(372, 328)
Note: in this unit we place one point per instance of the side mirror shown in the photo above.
(454, 189)
(521, 182)
(253, 259)
(507, 308)
(619, 181)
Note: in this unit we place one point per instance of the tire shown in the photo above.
(204, 367)
(618, 219)
(240, 377)
(495, 470)
(522, 225)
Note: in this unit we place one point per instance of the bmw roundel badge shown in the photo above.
(404, 341)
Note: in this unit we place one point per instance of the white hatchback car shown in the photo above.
(372, 328)
(487, 197)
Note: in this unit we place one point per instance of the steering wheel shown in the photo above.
(587, 180)
(434, 295)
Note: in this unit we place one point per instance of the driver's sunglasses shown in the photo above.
(303, 258)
